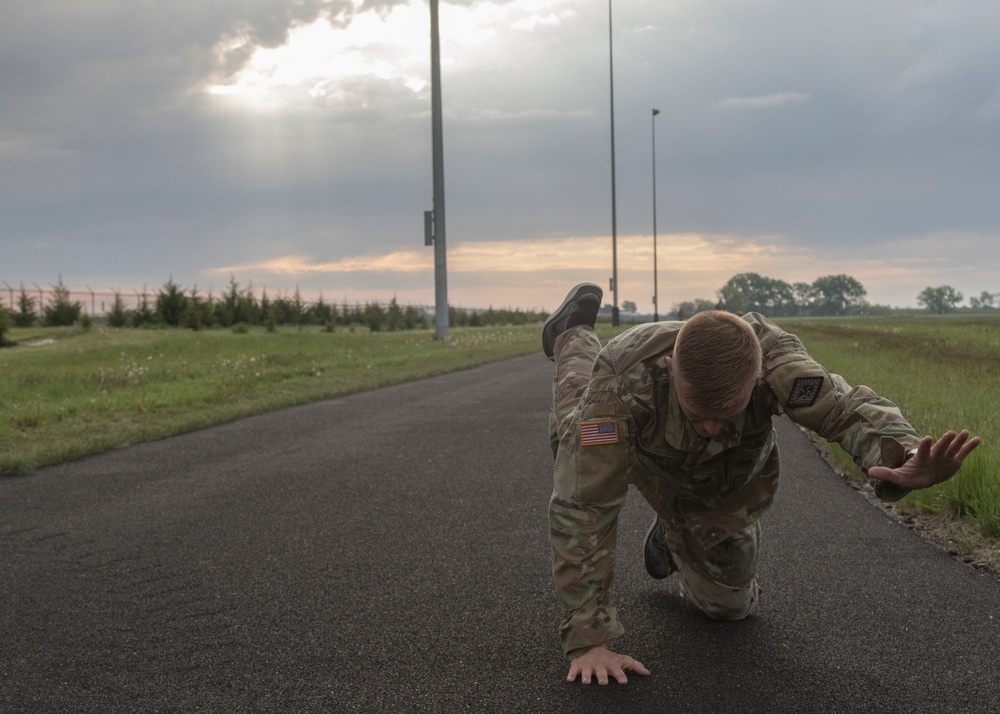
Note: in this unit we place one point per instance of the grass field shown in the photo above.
(942, 372)
(67, 393)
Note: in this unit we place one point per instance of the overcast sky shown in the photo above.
(288, 143)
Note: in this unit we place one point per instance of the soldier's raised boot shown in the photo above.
(655, 557)
(579, 308)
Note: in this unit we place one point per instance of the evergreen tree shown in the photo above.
(143, 314)
(118, 317)
(25, 315)
(171, 303)
(6, 323)
(61, 310)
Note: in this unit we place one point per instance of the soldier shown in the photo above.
(683, 411)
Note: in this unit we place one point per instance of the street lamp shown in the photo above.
(656, 293)
(434, 220)
(614, 209)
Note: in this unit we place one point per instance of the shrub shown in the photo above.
(6, 323)
(61, 311)
(171, 303)
(143, 314)
(118, 317)
(25, 315)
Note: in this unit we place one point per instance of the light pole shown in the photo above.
(434, 220)
(656, 292)
(614, 212)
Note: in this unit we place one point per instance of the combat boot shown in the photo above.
(655, 557)
(579, 308)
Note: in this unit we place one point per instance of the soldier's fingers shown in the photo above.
(619, 674)
(955, 444)
(632, 665)
(944, 443)
(574, 670)
(602, 675)
(967, 448)
(924, 447)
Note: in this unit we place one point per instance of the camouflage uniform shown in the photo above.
(616, 421)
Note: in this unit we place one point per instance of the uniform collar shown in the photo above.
(680, 434)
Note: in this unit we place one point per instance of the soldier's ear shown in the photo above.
(670, 366)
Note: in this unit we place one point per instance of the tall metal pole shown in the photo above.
(440, 270)
(614, 204)
(656, 292)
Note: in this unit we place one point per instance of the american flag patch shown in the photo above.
(598, 432)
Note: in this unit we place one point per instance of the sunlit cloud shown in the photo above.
(689, 253)
(690, 266)
(319, 61)
(294, 265)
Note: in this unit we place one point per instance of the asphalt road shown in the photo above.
(387, 552)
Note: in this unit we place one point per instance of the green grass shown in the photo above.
(69, 393)
(941, 371)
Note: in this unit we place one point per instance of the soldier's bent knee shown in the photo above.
(727, 604)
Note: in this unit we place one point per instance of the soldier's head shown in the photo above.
(715, 365)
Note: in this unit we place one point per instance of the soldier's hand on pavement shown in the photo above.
(933, 462)
(601, 663)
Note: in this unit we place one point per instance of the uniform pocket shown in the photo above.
(602, 453)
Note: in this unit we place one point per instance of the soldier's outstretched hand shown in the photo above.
(933, 463)
(600, 662)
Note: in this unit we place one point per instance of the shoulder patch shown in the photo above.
(805, 391)
(600, 431)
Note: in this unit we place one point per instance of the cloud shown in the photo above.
(764, 101)
(119, 166)
(691, 265)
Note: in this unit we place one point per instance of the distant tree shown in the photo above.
(61, 310)
(197, 314)
(752, 292)
(265, 307)
(247, 309)
(118, 317)
(803, 295)
(837, 295)
(732, 297)
(298, 307)
(985, 301)
(629, 306)
(6, 323)
(171, 303)
(227, 308)
(941, 299)
(394, 317)
(207, 307)
(25, 315)
(374, 317)
(320, 312)
(684, 310)
(143, 314)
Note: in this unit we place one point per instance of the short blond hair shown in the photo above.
(718, 356)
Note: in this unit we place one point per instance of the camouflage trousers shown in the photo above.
(720, 580)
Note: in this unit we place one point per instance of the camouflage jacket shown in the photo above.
(629, 429)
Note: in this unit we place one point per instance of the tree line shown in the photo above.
(239, 308)
(827, 295)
